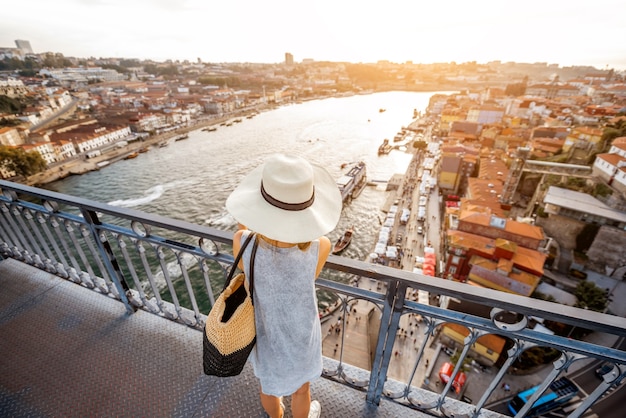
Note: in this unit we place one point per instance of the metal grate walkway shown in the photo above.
(67, 351)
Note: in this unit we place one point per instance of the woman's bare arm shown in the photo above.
(325, 246)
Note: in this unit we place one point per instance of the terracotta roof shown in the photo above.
(612, 159)
(485, 273)
(619, 142)
(588, 130)
(517, 228)
(493, 342)
(505, 244)
(525, 258)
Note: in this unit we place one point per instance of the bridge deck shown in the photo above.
(69, 351)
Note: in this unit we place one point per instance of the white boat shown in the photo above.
(352, 183)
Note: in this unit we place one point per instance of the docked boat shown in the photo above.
(131, 155)
(181, 137)
(385, 147)
(343, 241)
(210, 129)
(352, 183)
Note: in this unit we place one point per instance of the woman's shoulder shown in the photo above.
(324, 242)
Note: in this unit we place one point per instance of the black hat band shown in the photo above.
(286, 206)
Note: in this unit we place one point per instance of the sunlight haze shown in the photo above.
(564, 33)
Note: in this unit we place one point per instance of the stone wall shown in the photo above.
(607, 250)
(564, 230)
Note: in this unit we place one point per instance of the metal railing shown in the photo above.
(173, 269)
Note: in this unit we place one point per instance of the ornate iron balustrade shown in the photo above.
(173, 269)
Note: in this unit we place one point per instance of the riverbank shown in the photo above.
(80, 166)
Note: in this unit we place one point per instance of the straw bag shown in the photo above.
(230, 333)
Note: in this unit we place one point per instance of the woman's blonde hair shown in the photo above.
(301, 245)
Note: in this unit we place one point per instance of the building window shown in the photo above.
(456, 259)
(452, 270)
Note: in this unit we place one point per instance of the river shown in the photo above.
(191, 179)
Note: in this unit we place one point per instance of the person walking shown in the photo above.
(290, 204)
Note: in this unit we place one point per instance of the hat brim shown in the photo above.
(248, 207)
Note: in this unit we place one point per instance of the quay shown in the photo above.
(360, 334)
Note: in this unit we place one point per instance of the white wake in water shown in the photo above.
(150, 195)
(224, 221)
(174, 270)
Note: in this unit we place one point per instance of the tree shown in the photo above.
(586, 236)
(10, 122)
(602, 189)
(421, 145)
(10, 105)
(21, 162)
(536, 356)
(613, 131)
(516, 89)
(590, 296)
(454, 359)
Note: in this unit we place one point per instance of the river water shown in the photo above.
(191, 179)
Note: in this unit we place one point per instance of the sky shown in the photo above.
(573, 32)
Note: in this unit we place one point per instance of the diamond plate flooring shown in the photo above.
(67, 351)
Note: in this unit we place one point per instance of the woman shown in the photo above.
(290, 204)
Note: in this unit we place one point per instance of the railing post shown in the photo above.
(512, 354)
(110, 262)
(392, 310)
(561, 364)
(614, 377)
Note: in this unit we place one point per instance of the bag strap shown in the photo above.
(231, 273)
(252, 257)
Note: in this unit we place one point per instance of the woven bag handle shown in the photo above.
(231, 273)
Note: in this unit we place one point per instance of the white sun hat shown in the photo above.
(287, 199)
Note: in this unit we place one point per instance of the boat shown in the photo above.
(352, 183)
(384, 148)
(210, 129)
(103, 164)
(142, 150)
(131, 155)
(163, 144)
(381, 110)
(343, 241)
(238, 120)
(181, 137)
